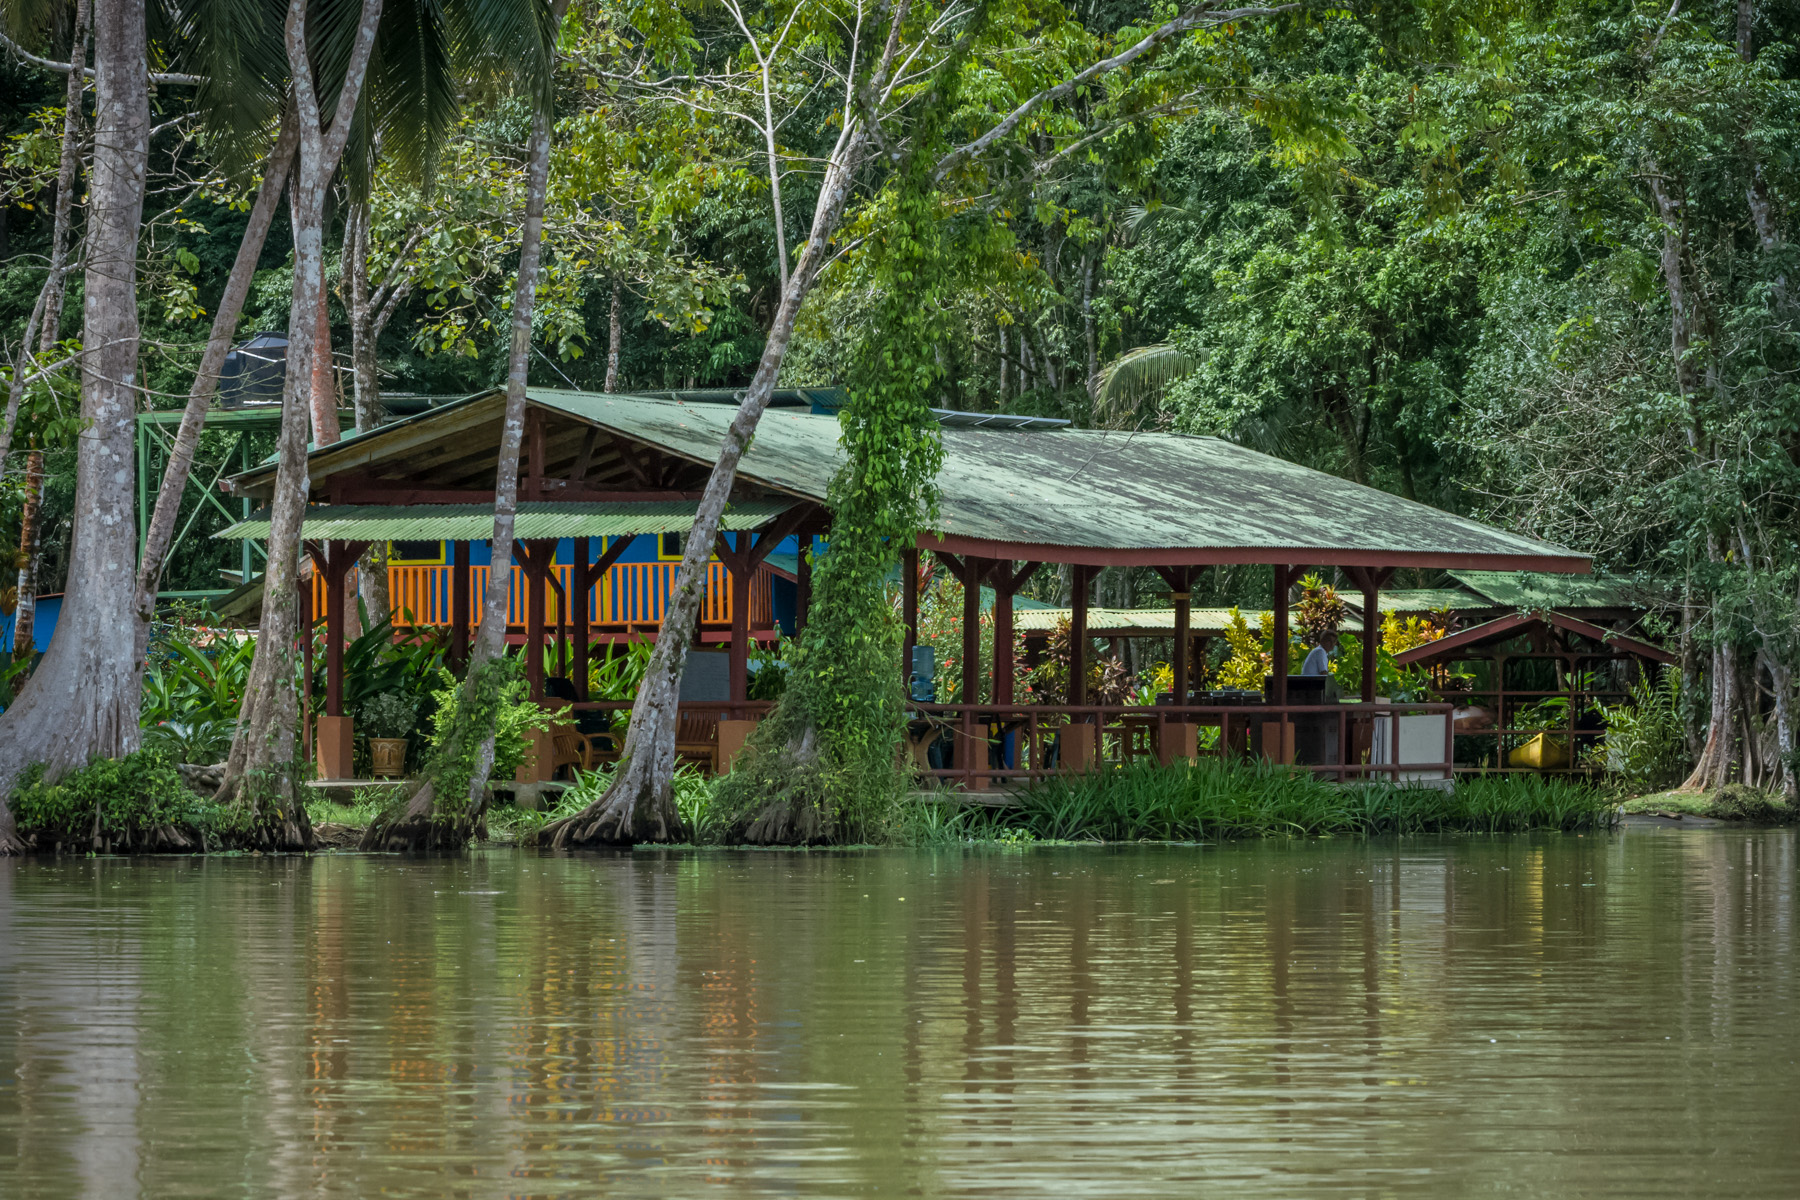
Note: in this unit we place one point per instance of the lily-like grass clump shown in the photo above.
(1214, 800)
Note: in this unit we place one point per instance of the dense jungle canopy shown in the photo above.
(1533, 262)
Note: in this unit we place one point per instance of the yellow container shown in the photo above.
(1542, 753)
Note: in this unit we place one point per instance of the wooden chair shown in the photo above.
(697, 739)
(573, 748)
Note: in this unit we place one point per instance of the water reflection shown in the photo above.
(1600, 1015)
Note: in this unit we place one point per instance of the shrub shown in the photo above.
(389, 715)
(1645, 746)
(1213, 799)
(202, 741)
(135, 802)
(1741, 802)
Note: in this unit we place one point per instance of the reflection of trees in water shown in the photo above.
(71, 1034)
(291, 1027)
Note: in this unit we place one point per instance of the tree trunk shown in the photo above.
(1088, 330)
(614, 337)
(82, 702)
(161, 529)
(24, 616)
(1681, 313)
(362, 320)
(1713, 768)
(67, 177)
(262, 776)
(1787, 767)
(325, 427)
(15, 390)
(640, 804)
(426, 823)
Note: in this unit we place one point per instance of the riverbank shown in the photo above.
(142, 804)
(1209, 801)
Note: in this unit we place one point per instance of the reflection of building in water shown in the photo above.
(70, 1022)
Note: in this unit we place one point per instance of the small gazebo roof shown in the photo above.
(1093, 497)
(1503, 629)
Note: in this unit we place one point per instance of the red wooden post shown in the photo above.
(1183, 600)
(577, 606)
(739, 567)
(973, 570)
(535, 595)
(1003, 633)
(460, 586)
(1078, 638)
(1371, 638)
(336, 564)
(306, 655)
(1284, 579)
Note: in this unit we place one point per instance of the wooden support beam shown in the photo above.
(461, 588)
(1007, 583)
(1083, 577)
(1278, 665)
(973, 571)
(576, 612)
(306, 662)
(337, 566)
(584, 458)
(536, 556)
(1370, 580)
(1181, 582)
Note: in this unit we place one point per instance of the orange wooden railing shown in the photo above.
(628, 594)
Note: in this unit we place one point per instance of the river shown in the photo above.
(1609, 1015)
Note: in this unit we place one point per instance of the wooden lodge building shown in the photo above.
(609, 483)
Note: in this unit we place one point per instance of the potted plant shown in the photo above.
(387, 718)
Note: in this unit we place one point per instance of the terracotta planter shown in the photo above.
(387, 757)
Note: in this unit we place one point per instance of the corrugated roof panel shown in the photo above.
(1425, 600)
(1079, 490)
(1085, 488)
(475, 522)
(1534, 589)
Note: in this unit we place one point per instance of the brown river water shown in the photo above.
(1609, 1015)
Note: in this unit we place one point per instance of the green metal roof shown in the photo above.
(1068, 494)
(1148, 622)
(1427, 600)
(475, 522)
(1087, 488)
(1534, 589)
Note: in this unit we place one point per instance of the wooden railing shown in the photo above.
(982, 746)
(628, 595)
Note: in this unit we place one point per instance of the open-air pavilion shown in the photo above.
(1015, 493)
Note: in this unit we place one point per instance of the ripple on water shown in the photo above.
(1545, 1016)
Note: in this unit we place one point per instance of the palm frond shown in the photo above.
(1142, 374)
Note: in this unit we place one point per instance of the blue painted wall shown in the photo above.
(49, 608)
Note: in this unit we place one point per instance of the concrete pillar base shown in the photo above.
(1179, 742)
(540, 758)
(1079, 749)
(973, 748)
(732, 736)
(334, 742)
(1278, 741)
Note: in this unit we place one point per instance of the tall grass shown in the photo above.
(1218, 800)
